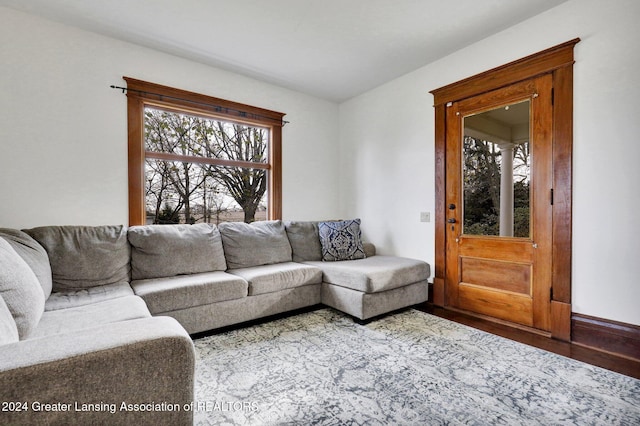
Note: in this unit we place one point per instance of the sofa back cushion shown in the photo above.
(20, 291)
(8, 327)
(85, 256)
(33, 253)
(304, 240)
(255, 244)
(170, 250)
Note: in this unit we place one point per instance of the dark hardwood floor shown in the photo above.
(602, 359)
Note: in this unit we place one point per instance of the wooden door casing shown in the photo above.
(557, 61)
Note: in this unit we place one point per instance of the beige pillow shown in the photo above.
(85, 256)
(33, 253)
(258, 243)
(304, 240)
(8, 328)
(170, 250)
(20, 289)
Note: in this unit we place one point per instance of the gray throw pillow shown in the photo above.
(170, 250)
(20, 289)
(8, 328)
(85, 256)
(341, 240)
(33, 253)
(258, 243)
(304, 240)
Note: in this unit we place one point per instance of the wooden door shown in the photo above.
(503, 269)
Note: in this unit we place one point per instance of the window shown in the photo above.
(194, 158)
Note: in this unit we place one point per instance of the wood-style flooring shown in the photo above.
(599, 358)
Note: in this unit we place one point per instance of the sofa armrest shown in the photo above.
(131, 372)
(369, 249)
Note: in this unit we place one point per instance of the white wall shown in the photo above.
(63, 131)
(63, 137)
(387, 148)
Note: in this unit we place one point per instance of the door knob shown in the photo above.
(452, 220)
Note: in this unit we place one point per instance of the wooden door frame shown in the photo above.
(557, 61)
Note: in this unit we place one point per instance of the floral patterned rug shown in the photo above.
(408, 368)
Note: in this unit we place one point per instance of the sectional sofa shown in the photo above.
(95, 321)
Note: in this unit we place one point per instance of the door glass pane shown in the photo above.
(496, 171)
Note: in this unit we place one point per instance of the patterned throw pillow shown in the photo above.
(341, 240)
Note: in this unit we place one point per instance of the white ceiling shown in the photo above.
(333, 49)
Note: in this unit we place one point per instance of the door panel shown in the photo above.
(497, 274)
(498, 230)
(515, 308)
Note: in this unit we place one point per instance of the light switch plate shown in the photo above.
(425, 217)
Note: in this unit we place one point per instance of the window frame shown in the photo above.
(141, 94)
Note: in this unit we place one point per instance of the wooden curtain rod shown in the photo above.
(218, 108)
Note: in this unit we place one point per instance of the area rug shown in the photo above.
(408, 368)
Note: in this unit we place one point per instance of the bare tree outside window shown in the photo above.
(193, 189)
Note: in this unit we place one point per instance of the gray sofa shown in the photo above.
(102, 315)
(76, 343)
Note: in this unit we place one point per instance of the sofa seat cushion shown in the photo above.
(170, 250)
(185, 291)
(92, 315)
(72, 298)
(33, 253)
(279, 276)
(374, 274)
(85, 256)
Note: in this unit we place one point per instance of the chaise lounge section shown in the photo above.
(355, 280)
